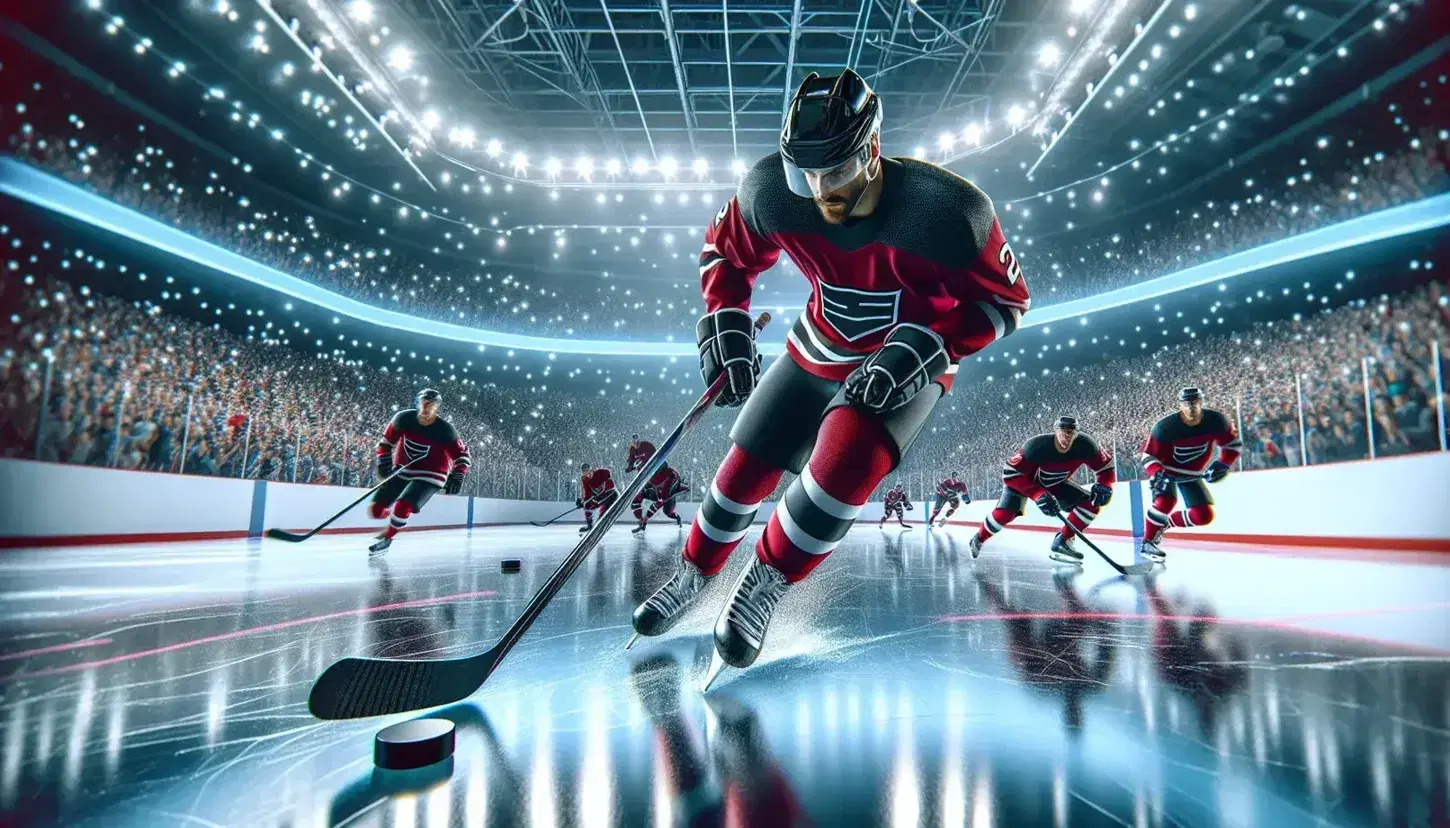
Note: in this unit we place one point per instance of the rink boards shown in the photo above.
(1392, 503)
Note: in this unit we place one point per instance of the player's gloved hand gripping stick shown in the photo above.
(293, 537)
(354, 688)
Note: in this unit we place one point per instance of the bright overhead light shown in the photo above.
(640, 166)
(612, 167)
(945, 141)
(520, 161)
(431, 119)
(552, 167)
(584, 166)
(361, 11)
(1190, 11)
(495, 148)
(1016, 115)
(1082, 6)
(737, 167)
(1049, 55)
(700, 167)
(669, 166)
(461, 136)
(400, 58)
(972, 134)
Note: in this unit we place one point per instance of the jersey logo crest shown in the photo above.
(414, 451)
(1016, 459)
(1187, 454)
(720, 216)
(1008, 260)
(1051, 478)
(858, 313)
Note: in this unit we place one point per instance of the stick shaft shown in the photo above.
(1094, 547)
(365, 495)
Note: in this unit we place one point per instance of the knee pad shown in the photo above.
(1200, 515)
(853, 454)
(404, 510)
(1165, 503)
(379, 510)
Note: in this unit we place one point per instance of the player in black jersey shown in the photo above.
(427, 454)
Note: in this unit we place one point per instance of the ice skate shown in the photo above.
(1151, 550)
(585, 528)
(381, 546)
(1063, 551)
(740, 629)
(975, 546)
(667, 605)
(636, 530)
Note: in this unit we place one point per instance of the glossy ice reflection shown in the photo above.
(903, 685)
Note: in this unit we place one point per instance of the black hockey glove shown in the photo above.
(1049, 505)
(578, 503)
(385, 467)
(1160, 482)
(1217, 470)
(726, 339)
(909, 507)
(1102, 494)
(909, 359)
(454, 484)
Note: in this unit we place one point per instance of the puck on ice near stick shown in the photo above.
(414, 744)
(512, 565)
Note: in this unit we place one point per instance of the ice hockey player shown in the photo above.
(1041, 471)
(896, 502)
(909, 273)
(1178, 458)
(663, 487)
(596, 493)
(640, 451)
(949, 492)
(427, 454)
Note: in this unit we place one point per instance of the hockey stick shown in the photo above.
(1132, 569)
(293, 537)
(354, 688)
(551, 520)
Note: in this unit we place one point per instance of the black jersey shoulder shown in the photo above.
(1084, 448)
(925, 209)
(1036, 449)
(1168, 426)
(440, 430)
(1216, 421)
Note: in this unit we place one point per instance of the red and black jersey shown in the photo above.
(640, 451)
(951, 487)
(664, 484)
(895, 498)
(434, 450)
(1184, 450)
(932, 254)
(1039, 466)
(597, 485)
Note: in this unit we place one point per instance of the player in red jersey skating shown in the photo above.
(434, 457)
(909, 273)
(596, 493)
(896, 504)
(1041, 471)
(950, 492)
(1179, 459)
(663, 487)
(640, 451)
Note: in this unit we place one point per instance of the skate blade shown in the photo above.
(632, 639)
(1067, 559)
(717, 665)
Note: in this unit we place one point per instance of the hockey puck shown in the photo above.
(512, 565)
(414, 744)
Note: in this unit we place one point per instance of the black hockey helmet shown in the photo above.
(1066, 423)
(826, 139)
(1189, 394)
(429, 395)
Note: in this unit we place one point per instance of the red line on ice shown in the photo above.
(265, 628)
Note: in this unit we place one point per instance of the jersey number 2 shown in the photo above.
(1008, 260)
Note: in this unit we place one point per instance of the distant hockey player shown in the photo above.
(909, 273)
(433, 457)
(896, 502)
(951, 492)
(1178, 458)
(663, 487)
(596, 493)
(640, 451)
(1041, 471)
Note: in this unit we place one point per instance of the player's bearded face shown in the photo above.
(1064, 438)
(429, 409)
(835, 205)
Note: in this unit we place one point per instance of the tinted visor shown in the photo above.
(813, 183)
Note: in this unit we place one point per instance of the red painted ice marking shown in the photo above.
(265, 628)
(56, 648)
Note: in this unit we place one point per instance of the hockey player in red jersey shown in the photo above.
(1042, 471)
(909, 273)
(949, 492)
(1178, 459)
(433, 457)
(596, 493)
(896, 503)
(640, 451)
(660, 491)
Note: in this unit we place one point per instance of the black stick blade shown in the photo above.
(356, 688)
(290, 537)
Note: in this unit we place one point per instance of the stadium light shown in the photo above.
(1049, 55)
(400, 58)
(361, 11)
